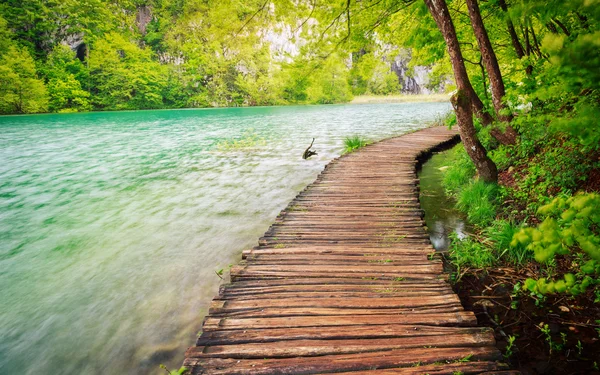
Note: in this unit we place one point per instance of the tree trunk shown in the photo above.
(493, 69)
(527, 44)
(464, 99)
(511, 30)
(514, 37)
(486, 169)
(562, 26)
(476, 103)
(536, 44)
(489, 58)
(552, 28)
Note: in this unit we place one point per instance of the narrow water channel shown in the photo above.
(441, 216)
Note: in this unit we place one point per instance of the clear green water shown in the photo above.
(441, 216)
(112, 224)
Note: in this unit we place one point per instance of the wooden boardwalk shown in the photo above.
(343, 282)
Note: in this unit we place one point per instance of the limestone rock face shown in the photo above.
(143, 18)
(415, 80)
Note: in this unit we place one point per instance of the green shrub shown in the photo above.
(353, 143)
(571, 227)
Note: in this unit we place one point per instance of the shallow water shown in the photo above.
(112, 225)
(441, 216)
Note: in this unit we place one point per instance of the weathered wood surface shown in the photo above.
(344, 282)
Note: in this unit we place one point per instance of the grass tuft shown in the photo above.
(470, 253)
(478, 201)
(354, 143)
(500, 234)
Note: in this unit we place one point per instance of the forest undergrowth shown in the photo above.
(531, 270)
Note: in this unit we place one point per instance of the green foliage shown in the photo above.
(181, 371)
(558, 166)
(21, 91)
(500, 235)
(478, 201)
(510, 345)
(65, 74)
(501, 157)
(568, 223)
(353, 143)
(190, 54)
(571, 226)
(440, 74)
(470, 253)
(333, 84)
(553, 346)
(125, 76)
(582, 124)
(371, 75)
(460, 171)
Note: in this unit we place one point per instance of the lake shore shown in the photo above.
(405, 98)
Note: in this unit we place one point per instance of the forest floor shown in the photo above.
(405, 98)
(555, 336)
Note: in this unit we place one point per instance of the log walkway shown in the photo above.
(343, 282)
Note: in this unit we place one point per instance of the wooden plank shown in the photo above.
(334, 281)
(304, 348)
(443, 368)
(383, 302)
(318, 290)
(279, 312)
(459, 318)
(331, 333)
(343, 249)
(344, 362)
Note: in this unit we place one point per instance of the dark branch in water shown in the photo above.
(308, 153)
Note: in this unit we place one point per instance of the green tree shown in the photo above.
(329, 84)
(21, 91)
(124, 76)
(372, 74)
(65, 74)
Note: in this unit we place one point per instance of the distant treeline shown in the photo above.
(71, 55)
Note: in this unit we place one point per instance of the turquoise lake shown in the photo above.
(112, 225)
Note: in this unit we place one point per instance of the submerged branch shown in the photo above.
(308, 153)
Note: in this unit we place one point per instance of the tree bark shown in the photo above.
(464, 99)
(552, 28)
(536, 44)
(493, 70)
(477, 104)
(528, 49)
(562, 26)
(514, 37)
(486, 169)
(489, 59)
(512, 32)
